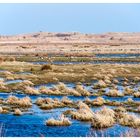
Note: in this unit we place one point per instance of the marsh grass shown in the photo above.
(129, 120)
(136, 94)
(114, 93)
(17, 112)
(53, 122)
(31, 91)
(100, 84)
(99, 101)
(103, 118)
(47, 67)
(84, 113)
(23, 102)
(49, 103)
(82, 91)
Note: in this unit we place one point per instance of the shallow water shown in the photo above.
(32, 123)
(91, 62)
(118, 55)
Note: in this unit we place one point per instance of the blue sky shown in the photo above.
(85, 18)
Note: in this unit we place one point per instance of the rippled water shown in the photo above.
(32, 123)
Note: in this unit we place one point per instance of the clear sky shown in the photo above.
(85, 18)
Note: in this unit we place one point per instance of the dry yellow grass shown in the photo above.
(82, 91)
(84, 113)
(128, 91)
(114, 93)
(23, 102)
(129, 120)
(103, 119)
(17, 112)
(66, 100)
(100, 84)
(99, 101)
(31, 91)
(136, 94)
(53, 122)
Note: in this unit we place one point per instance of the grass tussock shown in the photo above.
(23, 102)
(129, 120)
(17, 112)
(113, 103)
(128, 91)
(2, 85)
(84, 113)
(136, 94)
(45, 90)
(3, 110)
(120, 109)
(46, 67)
(99, 101)
(31, 91)
(114, 93)
(100, 84)
(62, 122)
(62, 89)
(82, 91)
(48, 103)
(66, 100)
(103, 119)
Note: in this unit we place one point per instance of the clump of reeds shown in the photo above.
(45, 90)
(107, 111)
(129, 100)
(114, 93)
(66, 100)
(3, 110)
(113, 103)
(41, 101)
(31, 91)
(82, 91)
(120, 109)
(23, 102)
(84, 113)
(129, 120)
(73, 92)
(2, 85)
(103, 119)
(136, 94)
(12, 100)
(62, 122)
(48, 103)
(27, 83)
(17, 112)
(115, 81)
(100, 84)
(47, 67)
(128, 91)
(107, 80)
(62, 89)
(99, 101)
(47, 106)
(87, 100)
